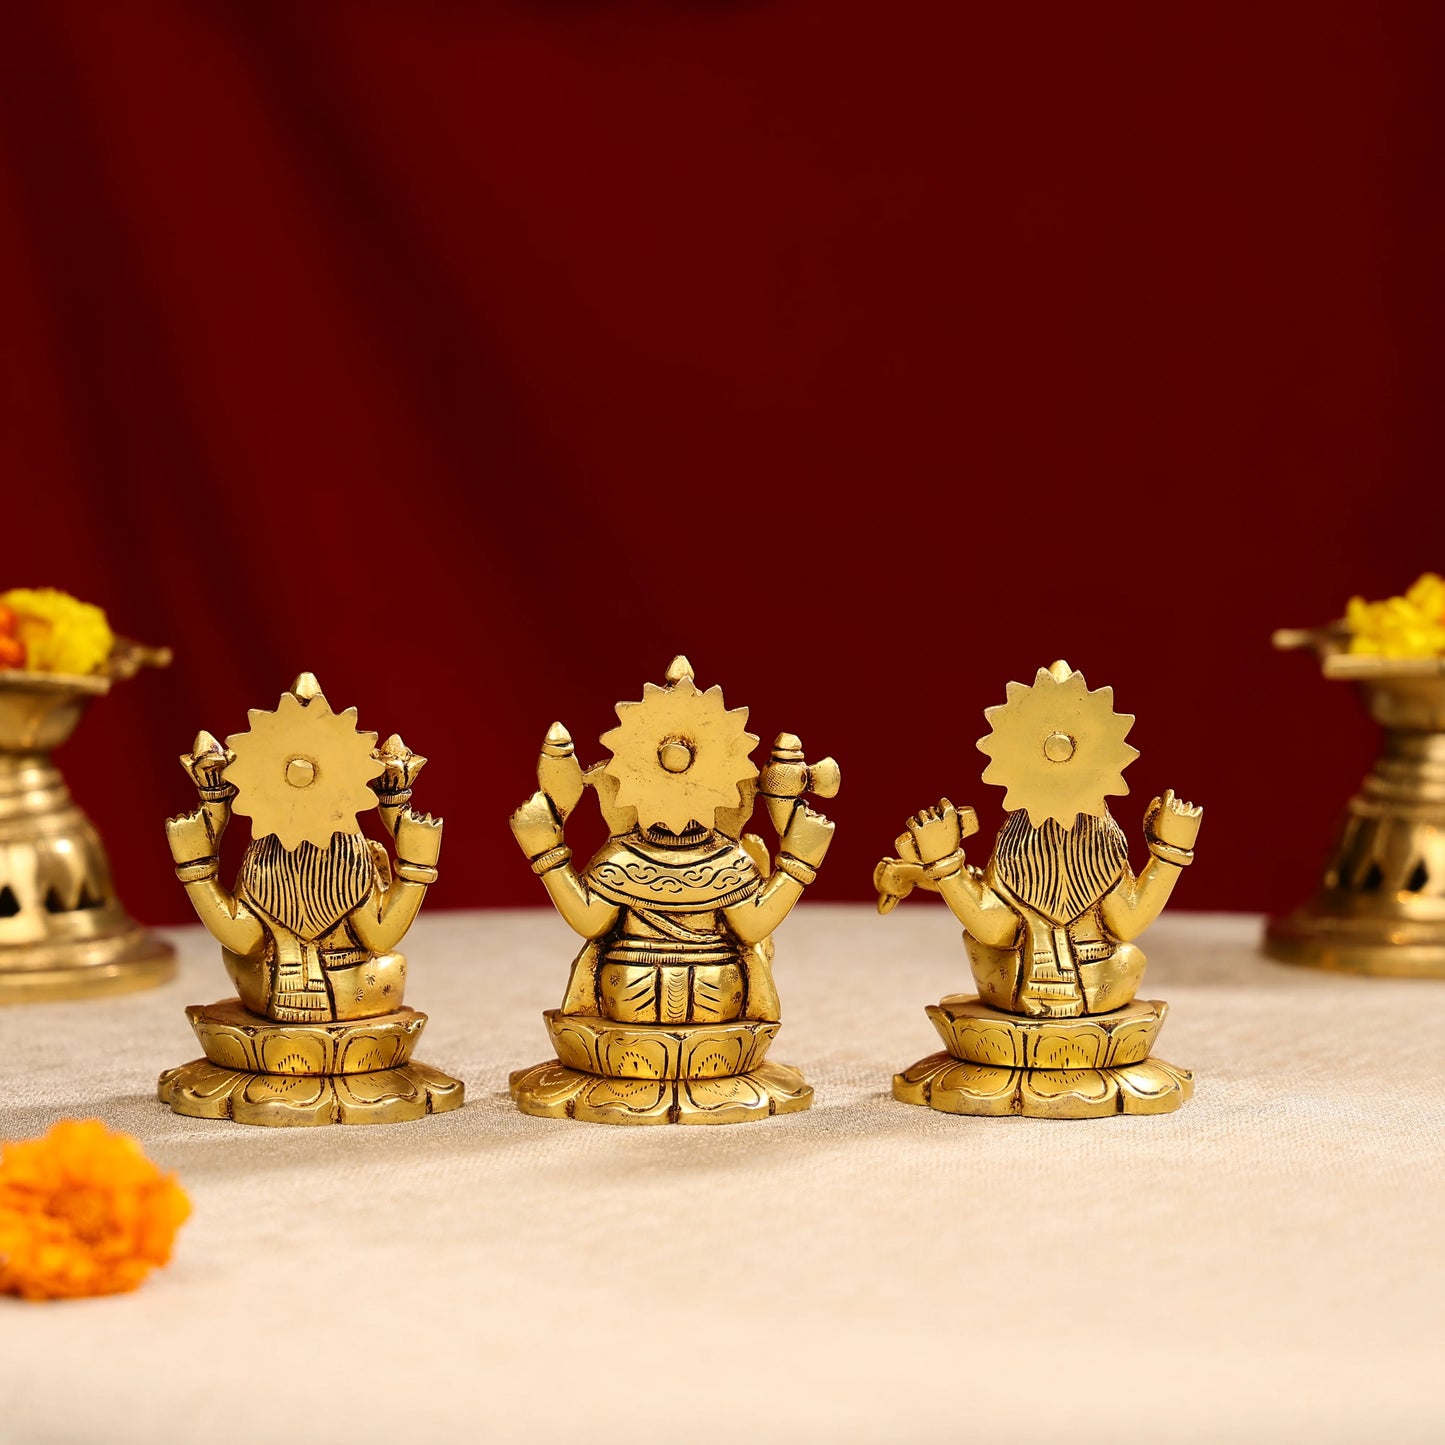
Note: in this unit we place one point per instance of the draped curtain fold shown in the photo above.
(480, 357)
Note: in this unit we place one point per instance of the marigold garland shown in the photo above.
(83, 1212)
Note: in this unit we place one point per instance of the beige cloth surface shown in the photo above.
(1265, 1264)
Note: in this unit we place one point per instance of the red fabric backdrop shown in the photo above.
(480, 356)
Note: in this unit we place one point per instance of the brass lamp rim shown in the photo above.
(95, 683)
(1370, 667)
(126, 658)
(1330, 645)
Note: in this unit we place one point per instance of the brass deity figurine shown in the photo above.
(670, 1007)
(1049, 924)
(318, 1033)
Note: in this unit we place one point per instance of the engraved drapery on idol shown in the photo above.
(630, 872)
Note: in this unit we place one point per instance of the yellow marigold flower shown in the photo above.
(83, 1212)
(60, 632)
(1427, 596)
(1408, 626)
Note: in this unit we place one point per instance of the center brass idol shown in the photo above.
(1055, 1030)
(317, 1033)
(671, 1007)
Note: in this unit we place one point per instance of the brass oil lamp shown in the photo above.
(63, 932)
(1380, 904)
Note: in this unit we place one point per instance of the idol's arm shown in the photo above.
(804, 845)
(1170, 828)
(539, 835)
(591, 917)
(936, 837)
(195, 840)
(382, 921)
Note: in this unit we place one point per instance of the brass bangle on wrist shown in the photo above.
(1168, 853)
(944, 867)
(800, 872)
(198, 870)
(415, 872)
(552, 858)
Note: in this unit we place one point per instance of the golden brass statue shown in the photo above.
(1049, 924)
(317, 1033)
(670, 1007)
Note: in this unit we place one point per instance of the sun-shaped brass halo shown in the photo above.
(1058, 748)
(302, 771)
(680, 754)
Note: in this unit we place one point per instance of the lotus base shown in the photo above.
(1078, 1068)
(553, 1091)
(615, 1073)
(289, 1075)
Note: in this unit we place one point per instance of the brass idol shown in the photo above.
(670, 1007)
(317, 1033)
(1054, 1030)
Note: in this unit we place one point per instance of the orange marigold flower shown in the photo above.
(12, 650)
(83, 1212)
